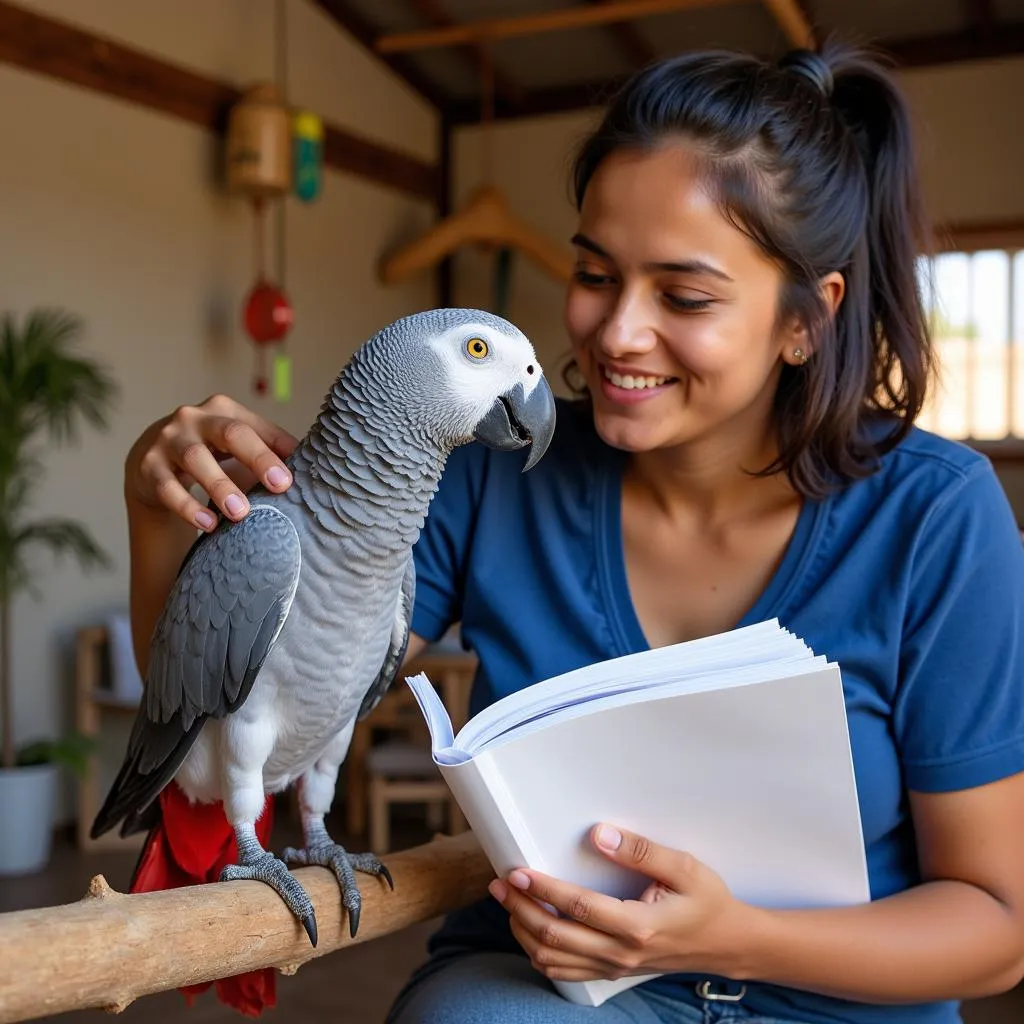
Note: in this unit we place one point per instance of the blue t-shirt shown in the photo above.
(912, 580)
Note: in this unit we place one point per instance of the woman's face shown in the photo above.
(672, 310)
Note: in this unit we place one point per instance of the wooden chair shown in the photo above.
(399, 769)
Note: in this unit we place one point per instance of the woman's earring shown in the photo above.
(800, 356)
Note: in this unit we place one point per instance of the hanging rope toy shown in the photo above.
(308, 132)
(268, 316)
(259, 166)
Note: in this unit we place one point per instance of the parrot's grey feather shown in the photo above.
(254, 566)
(399, 642)
(207, 649)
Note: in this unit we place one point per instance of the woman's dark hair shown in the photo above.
(812, 158)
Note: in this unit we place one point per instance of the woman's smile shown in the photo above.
(628, 385)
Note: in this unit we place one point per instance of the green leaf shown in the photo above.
(71, 751)
(47, 391)
(64, 537)
(46, 386)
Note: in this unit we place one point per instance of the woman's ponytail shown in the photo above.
(896, 233)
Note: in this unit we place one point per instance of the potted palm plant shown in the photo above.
(46, 391)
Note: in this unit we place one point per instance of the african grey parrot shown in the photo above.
(284, 628)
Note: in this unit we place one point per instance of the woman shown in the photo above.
(746, 325)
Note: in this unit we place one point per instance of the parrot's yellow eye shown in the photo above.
(477, 348)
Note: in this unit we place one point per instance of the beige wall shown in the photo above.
(531, 160)
(110, 210)
(968, 123)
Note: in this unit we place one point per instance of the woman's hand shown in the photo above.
(686, 920)
(220, 445)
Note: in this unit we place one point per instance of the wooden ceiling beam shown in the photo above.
(911, 52)
(793, 21)
(506, 91)
(45, 46)
(533, 24)
(41, 44)
(364, 31)
(554, 100)
(971, 236)
(954, 47)
(630, 42)
(983, 16)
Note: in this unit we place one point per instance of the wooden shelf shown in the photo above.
(113, 702)
(91, 699)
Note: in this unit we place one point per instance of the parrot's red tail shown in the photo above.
(190, 845)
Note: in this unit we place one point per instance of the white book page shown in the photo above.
(439, 722)
(670, 687)
(759, 643)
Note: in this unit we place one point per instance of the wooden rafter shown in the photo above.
(506, 91)
(970, 236)
(911, 52)
(533, 24)
(555, 100)
(49, 47)
(631, 44)
(983, 16)
(356, 25)
(793, 21)
(951, 47)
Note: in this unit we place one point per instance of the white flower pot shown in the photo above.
(28, 803)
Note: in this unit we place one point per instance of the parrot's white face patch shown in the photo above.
(481, 364)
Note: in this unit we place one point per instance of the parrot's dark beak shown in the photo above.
(515, 421)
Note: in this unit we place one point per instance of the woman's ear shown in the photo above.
(796, 349)
(833, 288)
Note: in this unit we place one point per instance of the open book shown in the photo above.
(733, 747)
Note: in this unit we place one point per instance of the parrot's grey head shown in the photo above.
(473, 375)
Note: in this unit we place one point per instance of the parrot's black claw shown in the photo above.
(309, 923)
(265, 867)
(369, 864)
(344, 865)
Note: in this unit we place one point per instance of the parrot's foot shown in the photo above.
(265, 867)
(341, 862)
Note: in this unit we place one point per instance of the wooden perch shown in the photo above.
(109, 948)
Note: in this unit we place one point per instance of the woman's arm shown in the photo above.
(226, 449)
(220, 445)
(417, 645)
(958, 935)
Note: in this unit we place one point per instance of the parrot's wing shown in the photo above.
(399, 642)
(228, 605)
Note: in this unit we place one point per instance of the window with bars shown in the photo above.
(975, 300)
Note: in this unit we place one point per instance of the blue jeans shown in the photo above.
(503, 988)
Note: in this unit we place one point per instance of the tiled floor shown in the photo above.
(355, 987)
